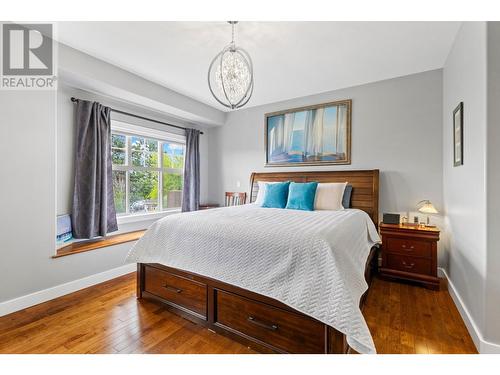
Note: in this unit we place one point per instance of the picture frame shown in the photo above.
(64, 229)
(458, 135)
(421, 218)
(313, 135)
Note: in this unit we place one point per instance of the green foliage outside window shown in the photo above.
(143, 183)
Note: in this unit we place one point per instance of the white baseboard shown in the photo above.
(483, 346)
(35, 298)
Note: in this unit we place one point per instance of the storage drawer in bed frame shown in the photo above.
(257, 321)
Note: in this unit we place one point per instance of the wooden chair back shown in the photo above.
(235, 199)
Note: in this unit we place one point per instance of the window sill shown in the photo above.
(146, 217)
(88, 245)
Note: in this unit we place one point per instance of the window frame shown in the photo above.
(162, 137)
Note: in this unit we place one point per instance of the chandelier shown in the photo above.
(230, 75)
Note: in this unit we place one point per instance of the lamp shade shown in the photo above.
(426, 207)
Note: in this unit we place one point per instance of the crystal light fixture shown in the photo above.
(230, 75)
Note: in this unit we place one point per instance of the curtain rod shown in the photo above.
(74, 100)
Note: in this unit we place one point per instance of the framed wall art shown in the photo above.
(458, 135)
(313, 135)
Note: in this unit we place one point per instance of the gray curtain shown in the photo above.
(191, 190)
(93, 211)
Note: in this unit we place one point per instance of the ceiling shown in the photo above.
(291, 59)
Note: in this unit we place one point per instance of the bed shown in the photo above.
(276, 280)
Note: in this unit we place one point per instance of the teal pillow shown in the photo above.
(276, 195)
(301, 196)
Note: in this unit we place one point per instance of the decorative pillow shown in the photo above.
(329, 196)
(301, 196)
(276, 195)
(346, 198)
(262, 191)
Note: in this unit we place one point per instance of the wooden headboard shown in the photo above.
(364, 185)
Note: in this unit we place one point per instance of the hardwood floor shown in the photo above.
(107, 318)
(407, 319)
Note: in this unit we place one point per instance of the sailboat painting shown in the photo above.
(314, 135)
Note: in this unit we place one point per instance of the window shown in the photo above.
(148, 169)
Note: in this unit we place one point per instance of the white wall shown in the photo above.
(464, 187)
(396, 127)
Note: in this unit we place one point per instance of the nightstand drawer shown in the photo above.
(409, 264)
(409, 247)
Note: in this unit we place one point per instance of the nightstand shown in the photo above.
(409, 252)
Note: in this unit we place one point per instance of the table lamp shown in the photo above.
(425, 206)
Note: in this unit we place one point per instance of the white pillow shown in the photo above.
(262, 191)
(329, 196)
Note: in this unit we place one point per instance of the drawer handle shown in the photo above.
(409, 266)
(176, 290)
(410, 249)
(272, 327)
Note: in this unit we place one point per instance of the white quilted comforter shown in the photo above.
(312, 261)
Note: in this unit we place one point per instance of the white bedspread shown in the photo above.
(312, 261)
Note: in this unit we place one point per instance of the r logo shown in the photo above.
(27, 49)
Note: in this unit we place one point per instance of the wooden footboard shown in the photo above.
(257, 321)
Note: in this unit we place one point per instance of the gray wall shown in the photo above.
(396, 127)
(37, 166)
(87, 72)
(492, 296)
(28, 142)
(464, 79)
